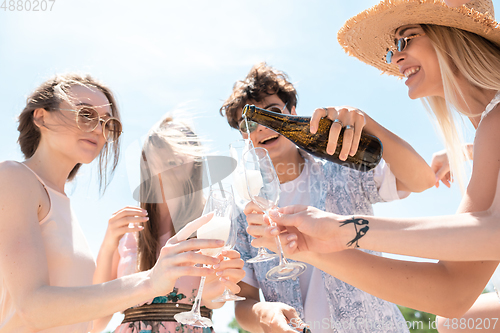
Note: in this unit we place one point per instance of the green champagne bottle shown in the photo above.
(297, 130)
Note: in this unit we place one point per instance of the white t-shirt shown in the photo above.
(311, 282)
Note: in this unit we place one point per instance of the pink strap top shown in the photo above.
(70, 261)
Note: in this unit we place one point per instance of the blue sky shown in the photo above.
(184, 56)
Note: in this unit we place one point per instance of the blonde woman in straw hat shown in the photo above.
(449, 57)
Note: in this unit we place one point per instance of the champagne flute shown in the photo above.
(228, 295)
(222, 204)
(236, 150)
(264, 188)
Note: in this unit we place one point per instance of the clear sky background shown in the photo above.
(184, 56)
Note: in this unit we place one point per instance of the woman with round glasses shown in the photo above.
(46, 267)
(449, 57)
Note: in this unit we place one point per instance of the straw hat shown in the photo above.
(370, 34)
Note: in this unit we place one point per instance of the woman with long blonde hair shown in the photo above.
(170, 196)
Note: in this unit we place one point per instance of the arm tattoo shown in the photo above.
(362, 223)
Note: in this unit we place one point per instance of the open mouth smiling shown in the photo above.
(269, 139)
(410, 71)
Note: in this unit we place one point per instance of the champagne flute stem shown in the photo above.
(283, 260)
(197, 300)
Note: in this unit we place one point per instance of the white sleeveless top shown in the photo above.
(494, 102)
(495, 278)
(70, 261)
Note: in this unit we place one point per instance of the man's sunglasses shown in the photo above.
(87, 120)
(248, 126)
(401, 44)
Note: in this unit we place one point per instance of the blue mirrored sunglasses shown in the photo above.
(401, 44)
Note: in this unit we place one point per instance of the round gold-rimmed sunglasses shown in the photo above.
(87, 120)
(252, 125)
(401, 44)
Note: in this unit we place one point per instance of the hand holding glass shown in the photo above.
(219, 227)
(237, 149)
(227, 295)
(264, 187)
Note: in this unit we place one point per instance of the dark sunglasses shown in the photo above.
(87, 120)
(248, 126)
(401, 44)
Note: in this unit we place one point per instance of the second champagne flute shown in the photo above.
(259, 170)
(237, 149)
(227, 295)
(222, 204)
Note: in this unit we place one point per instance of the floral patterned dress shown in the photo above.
(184, 292)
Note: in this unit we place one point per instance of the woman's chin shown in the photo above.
(87, 159)
(85, 162)
(413, 94)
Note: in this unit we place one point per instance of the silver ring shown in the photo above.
(338, 122)
(326, 110)
(349, 127)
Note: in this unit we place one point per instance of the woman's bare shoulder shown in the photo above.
(489, 127)
(486, 165)
(17, 181)
(15, 170)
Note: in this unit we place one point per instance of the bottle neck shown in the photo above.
(265, 117)
(288, 166)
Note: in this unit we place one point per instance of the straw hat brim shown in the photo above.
(370, 34)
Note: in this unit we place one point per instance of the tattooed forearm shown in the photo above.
(361, 227)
